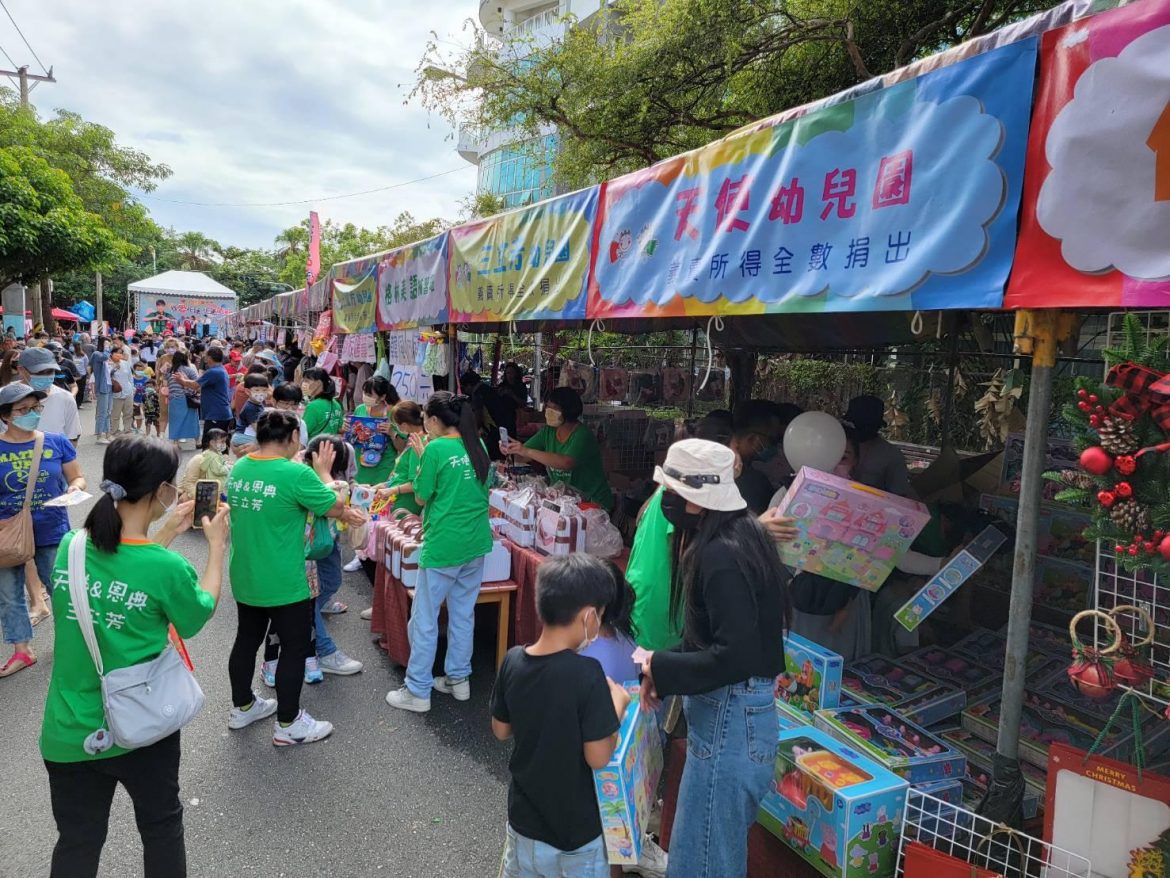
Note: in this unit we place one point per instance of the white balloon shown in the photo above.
(815, 440)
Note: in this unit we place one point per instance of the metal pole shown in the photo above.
(691, 398)
(98, 297)
(536, 370)
(1038, 327)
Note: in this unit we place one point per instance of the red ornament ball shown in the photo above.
(1093, 400)
(1094, 421)
(1092, 678)
(1084, 406)
(1123, 489)
(1096, 460)
(1126, 464)
(1133, 551)
(1106, 498)
(1082, 394)
(1164, 548)
(1119, 549)
(1150, 547)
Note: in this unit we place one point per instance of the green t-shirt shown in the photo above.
(324, 416)
(455, 517)
(587, 476)
(271, 498)
(649, 574)
(405, 470)
(374, 475)
(134, 594)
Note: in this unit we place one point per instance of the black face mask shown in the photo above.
(674, 509)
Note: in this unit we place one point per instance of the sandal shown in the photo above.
(37, 618)
(334, 609)
(18, 662)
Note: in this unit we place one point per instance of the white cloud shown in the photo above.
(257, 101)
(1099, 198)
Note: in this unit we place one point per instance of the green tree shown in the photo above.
(196, 251)
(251, 273)
(44, 227)
(643, 80)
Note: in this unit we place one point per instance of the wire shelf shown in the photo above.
(984, 844)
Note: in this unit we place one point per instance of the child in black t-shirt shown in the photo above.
(564, 715)
(244, 439)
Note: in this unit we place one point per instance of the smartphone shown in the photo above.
(503, 435)
(206, 500)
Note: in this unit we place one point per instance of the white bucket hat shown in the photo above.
(702, 472)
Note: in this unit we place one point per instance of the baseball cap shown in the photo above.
(37, 360)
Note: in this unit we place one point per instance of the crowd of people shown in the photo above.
(704, 599)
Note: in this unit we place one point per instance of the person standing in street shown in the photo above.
(182, 417)
(215, 394)
(37, 368)
(99, 364)
(122, 384)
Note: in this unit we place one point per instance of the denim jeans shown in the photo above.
(329, 579)
(731, 748)
(527, 858)
(459, 587)
(105, 402)
(13, 602)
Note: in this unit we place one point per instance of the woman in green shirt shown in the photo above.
(451, 483)
(378, 398)
(138, 589)
(567, 448)
(408, 423)
(323, 413)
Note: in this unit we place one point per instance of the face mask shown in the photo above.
(370, 401)
(27, 421)
(218, 447)
(588, 641)
(674, 509)
(310, 389)
(553, 418)
(40, 382)
(164, 511)
(259, 397)
(767, 453)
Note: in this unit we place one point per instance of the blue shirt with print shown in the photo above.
(140, 389)
(213, 393)
(49, 524)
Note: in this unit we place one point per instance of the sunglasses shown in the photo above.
(691, 480)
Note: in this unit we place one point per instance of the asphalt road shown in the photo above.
(390, 793)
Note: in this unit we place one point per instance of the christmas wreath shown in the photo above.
(1122, 431)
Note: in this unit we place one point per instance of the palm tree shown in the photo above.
(195, 250)
(292, 242)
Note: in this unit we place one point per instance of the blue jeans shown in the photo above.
(731, 749)
(528, 858)
(459, 587)
(329, 580)
(105, 402)
(13, 603)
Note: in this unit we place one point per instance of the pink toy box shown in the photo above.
(848, 532)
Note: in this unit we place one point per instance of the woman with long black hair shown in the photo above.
(732, 593)
(138, 588)
(323, 413)
(451, 483)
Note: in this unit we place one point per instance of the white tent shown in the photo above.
(182, 283)
(185, 295)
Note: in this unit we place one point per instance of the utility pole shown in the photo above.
(24, 77)
(98, 296)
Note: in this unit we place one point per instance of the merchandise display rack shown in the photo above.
(982, 843)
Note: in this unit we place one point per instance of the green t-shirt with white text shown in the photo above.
(405, 469)
(271, 498)
(134, 594)
(588, 476)
(323, 416)
(455, 515)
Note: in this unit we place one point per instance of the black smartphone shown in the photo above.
(206, 500)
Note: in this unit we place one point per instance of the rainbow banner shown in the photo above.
(529, 264)
(355, 291)
(412, 285)
(901, 199)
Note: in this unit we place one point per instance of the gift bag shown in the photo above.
(923, 861)
(715, 390)
(614, 385)
(580, 377)
(676, 386)
(643, 388)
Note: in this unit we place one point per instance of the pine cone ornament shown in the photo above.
(1076, 479)
(1117, 436)
(1130, 516)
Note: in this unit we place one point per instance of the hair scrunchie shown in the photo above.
(116, 491)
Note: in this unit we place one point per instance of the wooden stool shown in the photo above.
(495, 593)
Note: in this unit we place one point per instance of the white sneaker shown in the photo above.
(339, 663)
(103, 440)
(404, 699)
(259, 709)
(652, 862)
(460, 690)
(367, 614)
(353, 566)
(303, 730)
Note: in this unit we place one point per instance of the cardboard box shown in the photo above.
(917, 696)
(849, 532)
(626, 786)
(981, 761)
(906, 749)
(986, 647)
(951, 668)
(949, 791)
(790, 718)
(811, 678)
(948, 579)
(513, 515)
(839, 810)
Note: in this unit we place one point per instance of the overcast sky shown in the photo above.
(256, 101)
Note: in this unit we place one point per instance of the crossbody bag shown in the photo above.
(17, 539)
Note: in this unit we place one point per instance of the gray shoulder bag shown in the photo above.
(144, 703)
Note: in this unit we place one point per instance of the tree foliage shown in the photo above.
(646, 79)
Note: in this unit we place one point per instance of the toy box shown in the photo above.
(904, 748)
(917, 696)
(950, 668)
(1047, 639)
(839, 810)
(811, 678)
(626, 786)
(948, 579)
(848, 532)
(981, 760)
(987, 648)
(790, 718)
(949, 791)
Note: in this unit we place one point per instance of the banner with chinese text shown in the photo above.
(529, 264)
(901, 199)
(412, 285)
(355, 291)
(1095, 223)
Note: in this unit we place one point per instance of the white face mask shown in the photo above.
(259, 396)
(553, 418)
(588, 641)
(370, 401)
(169, 508)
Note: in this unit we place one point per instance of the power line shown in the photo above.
(9, 57)
(23, 37)
(302, 201)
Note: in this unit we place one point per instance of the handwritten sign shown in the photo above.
(412, 383)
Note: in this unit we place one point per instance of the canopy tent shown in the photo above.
(58, 314)
(182, 283)
(184, 295)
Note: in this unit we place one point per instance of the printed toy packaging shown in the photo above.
(980, 760)
(915, 695)
(947, 581)
(949, 791)
(839, 810)
(848, 532)
(811, 678)
(369, 444)
(907, 750)
(951, 668)
(626, 786)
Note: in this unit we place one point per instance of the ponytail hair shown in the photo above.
(134, 467)
(457, 411)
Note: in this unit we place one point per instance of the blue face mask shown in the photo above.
(27, 421)
(40, 382)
